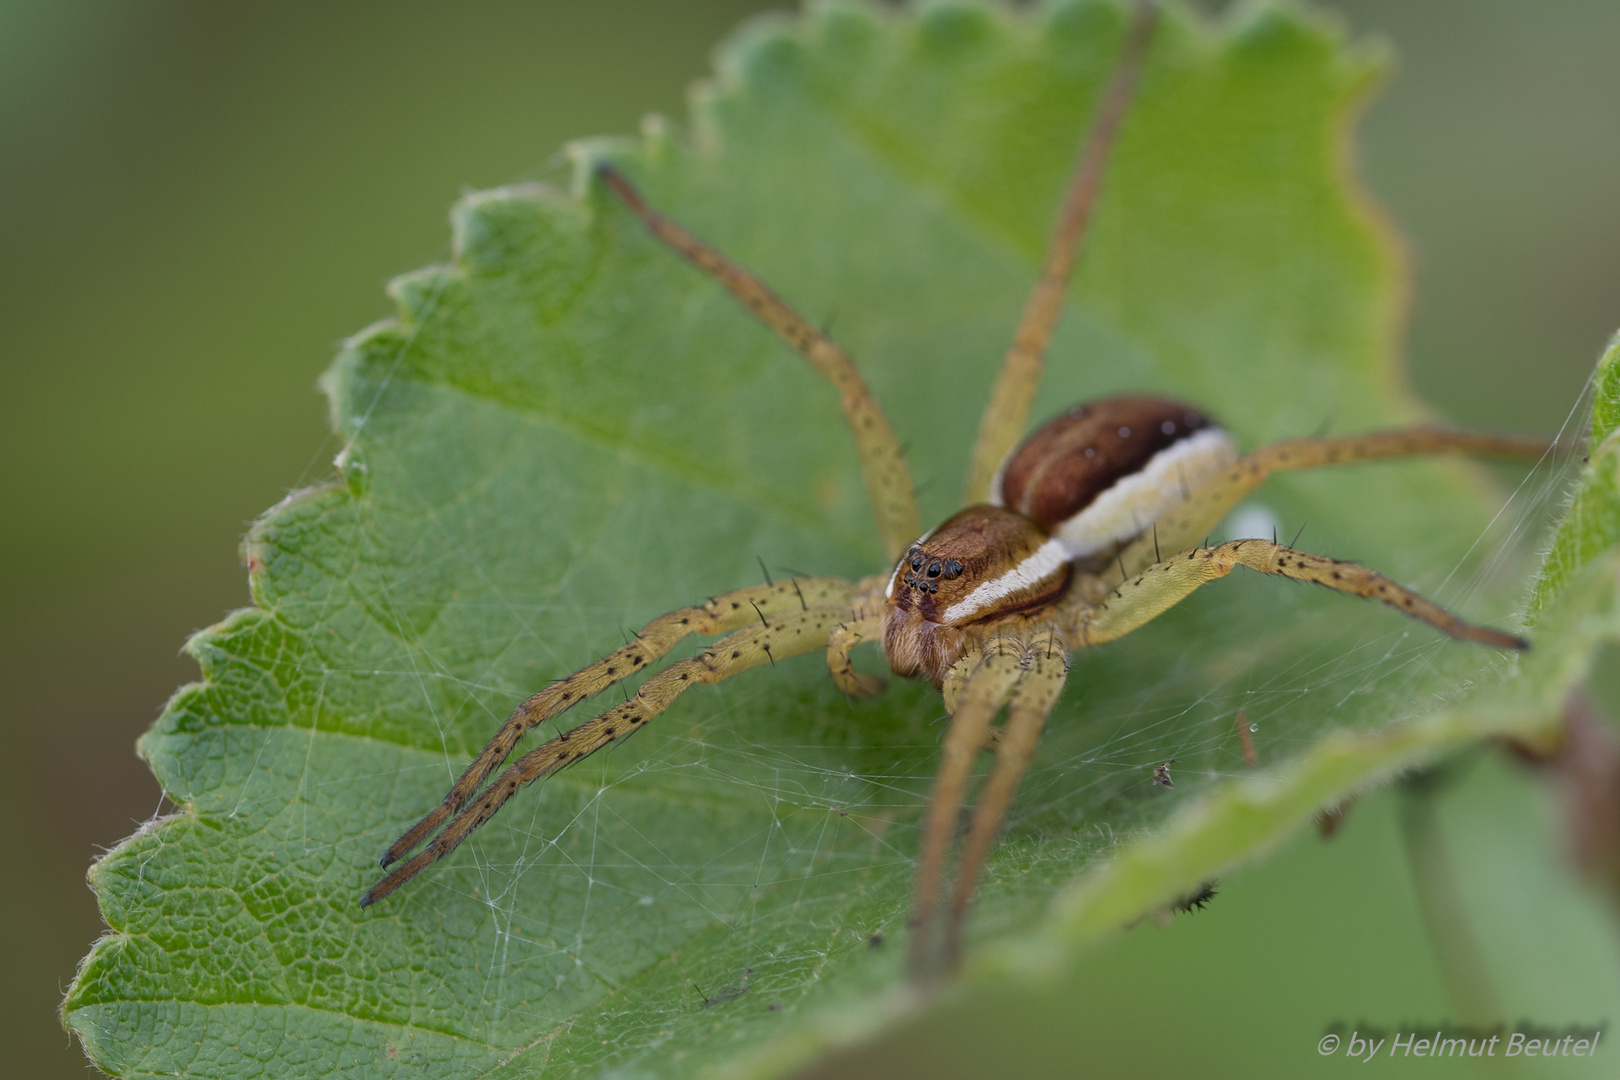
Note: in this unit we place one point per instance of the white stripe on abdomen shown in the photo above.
(1132, 505)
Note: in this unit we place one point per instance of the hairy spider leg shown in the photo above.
(883, 466)
(1215, 497)
(1008, 409)
(730, 611)
(788, 634)
(1046, 670)
(990, 679)
(839, 644)
(1165, 584)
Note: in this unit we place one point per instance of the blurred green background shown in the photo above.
(198, 200)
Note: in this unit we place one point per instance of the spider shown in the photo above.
(1061, 546)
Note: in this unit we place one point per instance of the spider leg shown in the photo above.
(1046, 664)
(1165, 584)
(1021, 367)
(992, 680)
(839, 644)
(730, 611)
(788, 634)
(888, 479)
(1211, 500)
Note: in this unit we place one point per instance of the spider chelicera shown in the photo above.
(1060, 548)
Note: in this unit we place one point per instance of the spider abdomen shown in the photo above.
(1101, 473)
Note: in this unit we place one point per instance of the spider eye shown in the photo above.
(933, 569)
(916, 562)
(953, 569)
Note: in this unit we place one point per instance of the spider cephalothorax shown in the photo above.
(1088, 529)
(1006, 567)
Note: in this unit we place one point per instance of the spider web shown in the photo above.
(764, 828)
(566, 433)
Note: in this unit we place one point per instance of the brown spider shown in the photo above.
(1057, 550)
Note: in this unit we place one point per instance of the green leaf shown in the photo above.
(1591, 523)
(568, 431)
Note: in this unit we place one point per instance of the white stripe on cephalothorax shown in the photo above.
(1047, 559)
(1136, 501)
